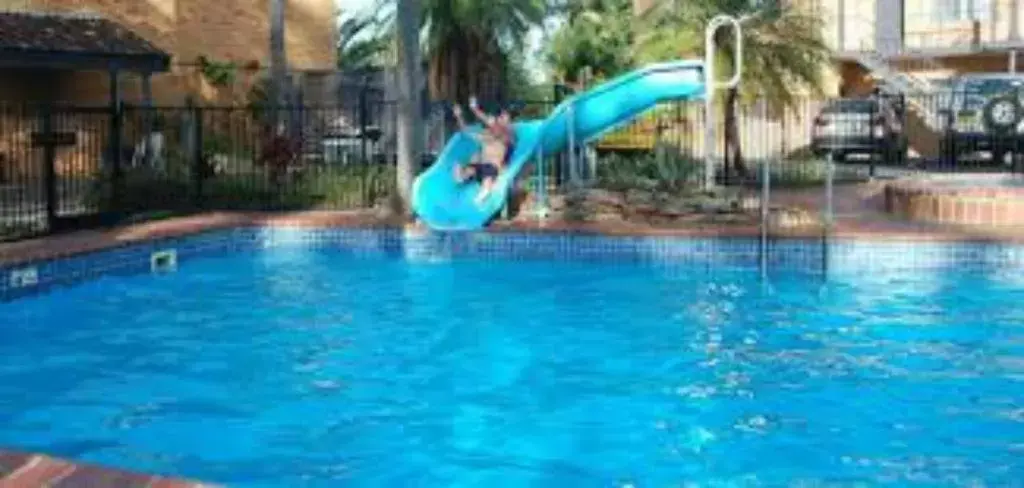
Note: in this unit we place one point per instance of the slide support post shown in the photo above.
(711, 84)
(589, 153)
(573, 167)
(541, 202)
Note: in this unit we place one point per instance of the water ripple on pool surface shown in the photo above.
(302, 368)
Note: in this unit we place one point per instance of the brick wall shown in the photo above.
(220, 30)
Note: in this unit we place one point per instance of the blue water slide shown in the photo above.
(444, 204)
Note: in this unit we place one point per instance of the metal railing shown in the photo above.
(69, 166)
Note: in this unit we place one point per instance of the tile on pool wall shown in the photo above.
(856, 256)
(128, 259)
(358, 241)
(840, 256)
(434, 246)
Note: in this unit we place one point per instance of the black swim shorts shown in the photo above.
(484, 170)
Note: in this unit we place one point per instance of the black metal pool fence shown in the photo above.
(68, 166)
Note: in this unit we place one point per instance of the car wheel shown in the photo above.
(1002, 157)
(1002, 114)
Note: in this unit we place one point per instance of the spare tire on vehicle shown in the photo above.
(1002, 114)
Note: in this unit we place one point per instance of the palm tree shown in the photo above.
(784, 54)
(410, 125)
(468, 43)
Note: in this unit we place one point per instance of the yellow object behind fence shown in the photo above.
(643, 133)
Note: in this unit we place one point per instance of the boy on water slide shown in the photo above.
(496, 142)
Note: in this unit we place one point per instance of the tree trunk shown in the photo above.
(410, 124)
(734, 164)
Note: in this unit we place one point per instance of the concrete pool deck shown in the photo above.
(860, 214)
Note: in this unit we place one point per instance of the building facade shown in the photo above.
(229, 35)
(927, 39)
(930, 39)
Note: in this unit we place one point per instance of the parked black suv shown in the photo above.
(872, 126)
(984, 113)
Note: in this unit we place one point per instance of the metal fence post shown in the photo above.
(709, 138)
(49, 162)
(571, 153)
(829, 211)
(766, 175)
(877, 111)
(116, 170)
(363, 115)
(542, 198)
(199, 166)
(363, 122)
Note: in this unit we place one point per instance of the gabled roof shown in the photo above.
(75, 41)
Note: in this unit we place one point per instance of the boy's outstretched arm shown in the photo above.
(480, 115)
(457, 112)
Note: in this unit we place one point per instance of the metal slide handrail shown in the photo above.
(710, 85)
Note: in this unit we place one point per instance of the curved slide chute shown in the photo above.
(444, 204)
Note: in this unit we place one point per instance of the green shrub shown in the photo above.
(141, 191)
(667, 169)
(146, 191)
(805, 173)
(354, 186)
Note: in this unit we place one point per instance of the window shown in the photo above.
(14, 5)
(960, 10)
(978, 92)
(850, 105)
(973, 93)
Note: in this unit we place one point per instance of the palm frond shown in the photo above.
(361, 42)
(784, 55)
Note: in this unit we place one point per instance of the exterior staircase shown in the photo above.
(924, 125)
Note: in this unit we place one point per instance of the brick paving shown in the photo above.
(23, 470)
(861, 212)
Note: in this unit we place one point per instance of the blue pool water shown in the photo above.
(310, 368)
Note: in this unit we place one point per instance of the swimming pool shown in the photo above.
(306, 366)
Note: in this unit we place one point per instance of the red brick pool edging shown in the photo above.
(973, 206)
(23, 470)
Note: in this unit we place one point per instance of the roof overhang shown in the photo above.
(70, 60)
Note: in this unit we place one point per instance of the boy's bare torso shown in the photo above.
(493, 148)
